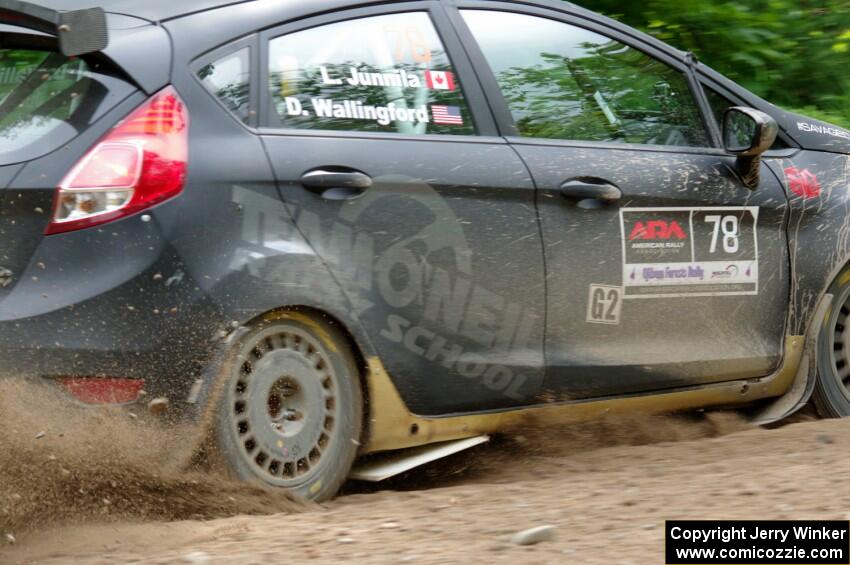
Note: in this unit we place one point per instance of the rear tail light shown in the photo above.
(103, 390)
(139, 164)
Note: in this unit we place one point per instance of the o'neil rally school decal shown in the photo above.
(383, 115)
(680, 252)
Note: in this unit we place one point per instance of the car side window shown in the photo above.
(229, 79)
(387, 73)
(564, 82)
(718, 103)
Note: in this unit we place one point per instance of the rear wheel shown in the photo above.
(832, 390)
(290, 413)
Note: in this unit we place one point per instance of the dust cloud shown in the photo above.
(62, 463)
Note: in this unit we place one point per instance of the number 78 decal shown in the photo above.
(689, 252)
(731, 233)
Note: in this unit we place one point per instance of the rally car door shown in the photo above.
(663, 269)
(392, 169)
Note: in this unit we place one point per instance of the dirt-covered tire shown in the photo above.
(832, 389)
(290, 412)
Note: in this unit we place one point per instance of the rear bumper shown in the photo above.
(110, 302)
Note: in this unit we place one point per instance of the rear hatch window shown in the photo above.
(47, 99)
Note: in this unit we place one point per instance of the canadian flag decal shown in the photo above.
(440, 80)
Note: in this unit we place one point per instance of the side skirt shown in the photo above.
(393, 426)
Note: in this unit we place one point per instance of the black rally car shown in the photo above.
(338, 227)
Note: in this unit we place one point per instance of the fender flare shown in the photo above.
(204, 393)
(804, 382)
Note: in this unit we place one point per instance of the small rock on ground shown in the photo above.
(196, 557)
(534, 535)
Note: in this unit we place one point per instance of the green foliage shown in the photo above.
(645, 101)
(794, 53)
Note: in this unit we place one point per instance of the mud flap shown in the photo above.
(804, 382)
(394, 463)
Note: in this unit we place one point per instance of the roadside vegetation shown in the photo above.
(794, 53)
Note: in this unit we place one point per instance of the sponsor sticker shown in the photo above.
(803, 182)
(604, 304)
(823, 130)
(399, 78)
(682, 252)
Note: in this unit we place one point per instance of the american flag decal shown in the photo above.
(447, 115)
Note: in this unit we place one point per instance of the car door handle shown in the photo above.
(336, 185)
(585, 189)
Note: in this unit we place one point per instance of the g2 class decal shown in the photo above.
(604, 304)
(688, 252)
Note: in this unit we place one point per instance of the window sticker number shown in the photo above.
(409, 40)
(604, 305)
(731, 233)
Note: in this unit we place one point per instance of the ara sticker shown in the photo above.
(803, 182)
(689, 252)
(604, 304)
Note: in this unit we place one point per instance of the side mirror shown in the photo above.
(748, 133)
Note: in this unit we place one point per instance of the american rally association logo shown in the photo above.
(653, 230)
(660, 237)
(658, 234)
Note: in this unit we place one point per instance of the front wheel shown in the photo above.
(291, 410)
(832, 389)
